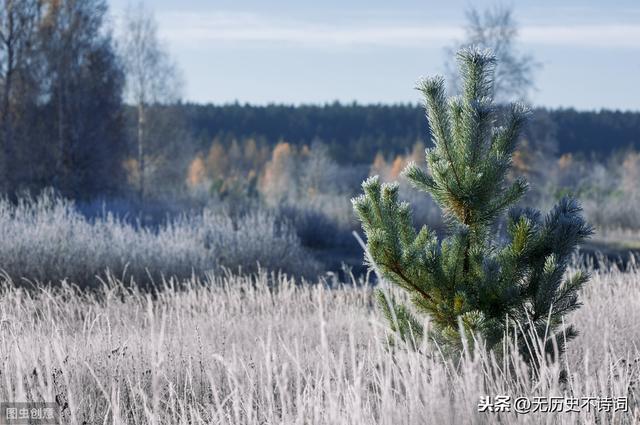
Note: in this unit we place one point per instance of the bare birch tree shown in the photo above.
(152, 78)
(496, 29)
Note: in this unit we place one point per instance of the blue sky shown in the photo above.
(288, 51)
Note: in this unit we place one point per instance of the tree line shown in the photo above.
(356, 133)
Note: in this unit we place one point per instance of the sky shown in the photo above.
(372, 51)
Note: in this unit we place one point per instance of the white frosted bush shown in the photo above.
(47, 239)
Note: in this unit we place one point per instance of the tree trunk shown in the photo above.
(7, 142)
(7, 129)
(60, 171)
(141, 164)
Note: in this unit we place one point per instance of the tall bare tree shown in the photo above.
(152, 78)
(496, 29)
(18, 24)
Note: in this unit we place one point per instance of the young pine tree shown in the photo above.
(471, 282)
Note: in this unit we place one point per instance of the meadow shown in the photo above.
(235, 313)
(263, 348)
(221, 316)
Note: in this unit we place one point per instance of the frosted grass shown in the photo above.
(263, 350)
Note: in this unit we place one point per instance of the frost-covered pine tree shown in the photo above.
(471, 281)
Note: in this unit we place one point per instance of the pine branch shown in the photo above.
(433, 89)
(396, 269)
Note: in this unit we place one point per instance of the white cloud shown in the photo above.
(584, 35)
(185, 28)
(190, 29)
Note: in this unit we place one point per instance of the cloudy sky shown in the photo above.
(369, 51)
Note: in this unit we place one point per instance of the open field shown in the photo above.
(263, 350)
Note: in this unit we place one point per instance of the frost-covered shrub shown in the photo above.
(47, 239)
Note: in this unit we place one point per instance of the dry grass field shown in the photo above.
(262, 349)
